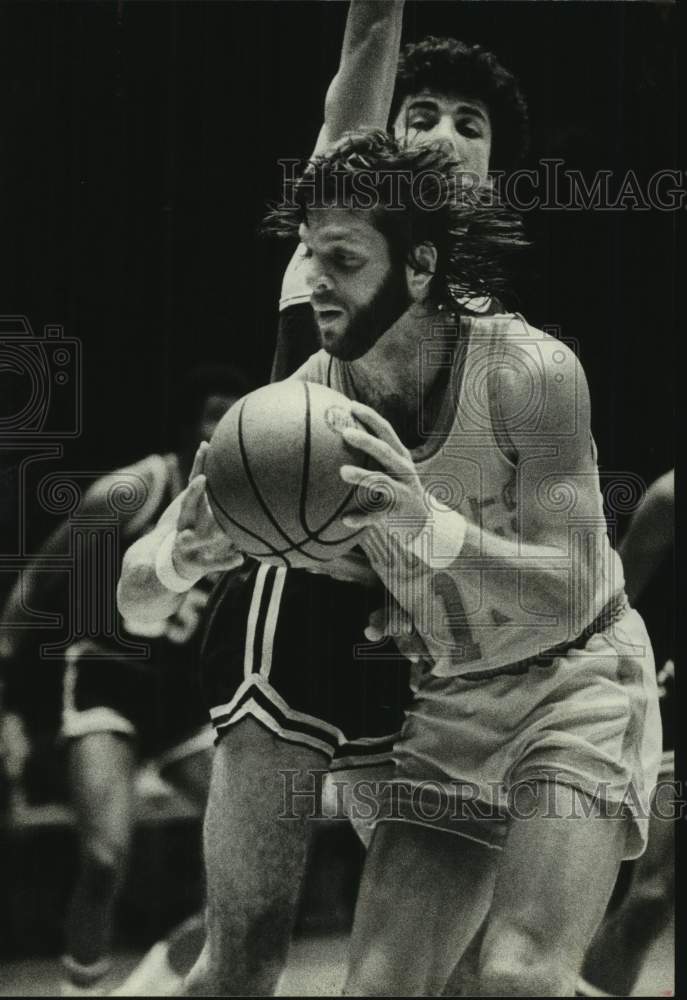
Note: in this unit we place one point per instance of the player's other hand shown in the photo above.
(200, 543)
(353, 567)
(394, 622)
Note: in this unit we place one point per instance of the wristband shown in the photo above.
(448, 535)
(441, 540)
(166, 571)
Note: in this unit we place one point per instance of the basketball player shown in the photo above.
(444, 91)
(117, 711)
(447, 91)
(644, 897)
(538, 678)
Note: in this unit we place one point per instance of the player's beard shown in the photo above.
(370, 322)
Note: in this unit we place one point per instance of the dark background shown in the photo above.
(139, 146)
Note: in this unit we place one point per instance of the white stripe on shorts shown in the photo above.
(258, 588)
(271, 622)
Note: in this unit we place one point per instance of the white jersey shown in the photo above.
(294, 289)
(463, 463)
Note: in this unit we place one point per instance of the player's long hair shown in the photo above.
(415, 196)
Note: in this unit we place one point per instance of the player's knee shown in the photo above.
(513, 963)
(375, 976)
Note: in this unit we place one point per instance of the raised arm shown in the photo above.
(360, 94)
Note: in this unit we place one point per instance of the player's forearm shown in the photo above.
(34, 588)
(360, 94)
(141, 594)
(524, 582)
(546, 586)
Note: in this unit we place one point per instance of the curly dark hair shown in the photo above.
(415, 195)
(447, 66)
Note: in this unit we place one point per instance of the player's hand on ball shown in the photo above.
(397, 485)
(200, 543)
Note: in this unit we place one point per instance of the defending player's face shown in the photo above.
(356, 292)
(462, 122)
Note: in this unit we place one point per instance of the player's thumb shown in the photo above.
(198, 461)
(189, 513)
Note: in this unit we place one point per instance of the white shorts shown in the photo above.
(588, 719)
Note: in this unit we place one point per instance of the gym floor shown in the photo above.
(315, 968)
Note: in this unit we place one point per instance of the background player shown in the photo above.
(117, 711)
(644, 897)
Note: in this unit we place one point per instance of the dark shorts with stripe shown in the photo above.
(287, 648)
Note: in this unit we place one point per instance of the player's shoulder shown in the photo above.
(534, 355)
(538, 381)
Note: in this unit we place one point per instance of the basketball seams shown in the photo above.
(313, 533)
(278, 553)
(293, 546)
(272, 551)
(254, 486)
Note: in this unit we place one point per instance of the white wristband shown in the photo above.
(448, 535)
(166, 571)
(440, 542)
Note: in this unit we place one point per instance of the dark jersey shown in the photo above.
(657, 607)
(138, 642)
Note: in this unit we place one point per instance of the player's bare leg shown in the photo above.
(437, 890)
(554, 880)
(162, 969)
(461, 982)
(101, 773)
(254, 861)
(536, 932)
(617, 954)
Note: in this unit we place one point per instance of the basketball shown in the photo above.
(273, 473)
